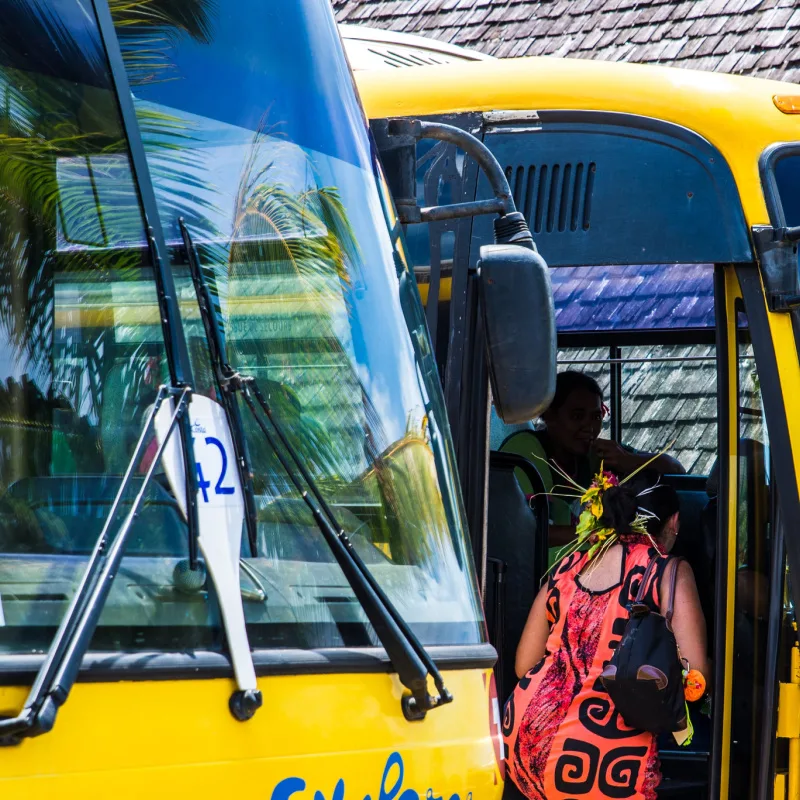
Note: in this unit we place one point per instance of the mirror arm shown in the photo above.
(510, 226)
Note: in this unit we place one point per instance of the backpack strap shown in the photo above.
(673, 578)
(645, 579)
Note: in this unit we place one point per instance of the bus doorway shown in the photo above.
(667, 386)
(664, 292)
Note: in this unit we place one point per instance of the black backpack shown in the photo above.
(644, 678)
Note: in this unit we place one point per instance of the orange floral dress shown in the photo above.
(563, 736)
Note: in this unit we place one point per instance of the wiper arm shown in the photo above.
(409, 658)
(60, 669)
(216, 347)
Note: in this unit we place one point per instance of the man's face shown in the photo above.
(576, 424)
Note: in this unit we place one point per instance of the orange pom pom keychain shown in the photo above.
(694, 685)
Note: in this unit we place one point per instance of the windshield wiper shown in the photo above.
(409, 658)
(216, 347)
(60, 669)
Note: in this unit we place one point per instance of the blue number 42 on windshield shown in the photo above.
(220, 468)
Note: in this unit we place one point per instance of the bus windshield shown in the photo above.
(255, 138)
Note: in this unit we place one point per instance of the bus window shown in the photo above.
(669, 394)
(317, 307)
(592, 361)
(753, 543)
(82, 351)
(787, 177)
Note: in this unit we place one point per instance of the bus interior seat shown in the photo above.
(516, 540)
(499, 431)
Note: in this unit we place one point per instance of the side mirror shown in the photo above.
(519, 318)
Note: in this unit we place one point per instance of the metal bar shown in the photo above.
(68, 669)
(660, 359)
(407, 655)
(470, 145)
(251, 387)
(60, 668)
(224, 374)
(455, 210)
(615, 392)
(57, 646)
(766, 764)
(174, 340)
(435, 233)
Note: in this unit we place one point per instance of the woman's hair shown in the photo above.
(570, 381)
(643, 494)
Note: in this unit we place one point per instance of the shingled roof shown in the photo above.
(748, 37)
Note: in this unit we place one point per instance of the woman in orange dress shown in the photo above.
(564, 738)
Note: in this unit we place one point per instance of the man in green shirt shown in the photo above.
(570, 439)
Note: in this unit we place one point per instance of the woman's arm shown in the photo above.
(533, 643)
(623, 460)
(688, 622)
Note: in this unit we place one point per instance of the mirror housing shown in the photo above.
(519, 319)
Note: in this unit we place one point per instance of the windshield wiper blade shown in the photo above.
(223, 373)
(411, 661)
(60, 669)
(409, 658)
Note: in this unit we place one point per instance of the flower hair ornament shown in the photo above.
(590, 530)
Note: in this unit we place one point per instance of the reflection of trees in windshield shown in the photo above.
(148, 30)
(292, 252)
(69, 218)
(70, 232)
(296, 253)
(284, 269)
(286, 235)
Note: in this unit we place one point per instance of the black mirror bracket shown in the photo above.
(509, 228)
(512, 228)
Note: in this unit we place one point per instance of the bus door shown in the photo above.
(770, 297)
(752, 648)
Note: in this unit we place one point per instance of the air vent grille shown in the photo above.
(554, 197)
(407, 58)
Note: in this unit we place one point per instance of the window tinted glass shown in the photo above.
(787, 177)
(669, 393)
(81, 352)
(634, 297)
(254, 136)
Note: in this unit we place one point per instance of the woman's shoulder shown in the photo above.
(638, 560)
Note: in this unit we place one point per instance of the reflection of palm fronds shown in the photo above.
(147, 29)
(297, 247)
(310, 230)
(42, 125)
(59, 141)
(177, 169)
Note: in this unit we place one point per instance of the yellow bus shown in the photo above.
(233, 551)
(665, 203)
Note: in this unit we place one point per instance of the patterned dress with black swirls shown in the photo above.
(563, 736)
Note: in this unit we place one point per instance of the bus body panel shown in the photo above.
(736, 114)
(176, 738)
